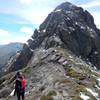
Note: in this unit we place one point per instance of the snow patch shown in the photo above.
(97, 87)
(70, 57)
(76, 23)
(82, 27)
(27, 44)
(64, 63)
(95, 52)
(18, 53)
(31, 50)
(92, 92)
(91, 30)
(98, 79)
(67, 12)
(58, 10)
(95, 67)
(44, 30)
(44, 50)
(61, 60)
(55, 50)
(84, 97)
(68, 18)
(27, 93)
(96, 73)
(88, 27)
(32, 39)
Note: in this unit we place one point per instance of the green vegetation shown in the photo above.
(65, 81)
(52, 93)
(76, 98)
(49, 96)
(72, 73)
(46, 98)
(79, 88)
(27, 70)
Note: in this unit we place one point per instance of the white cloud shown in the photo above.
(34, 11)
(4, 33)
(37, 17)
(26, 30)
(7, 37)
(27, 2)
(96, 16)
(92, 3)
(38, 10)
(21, 39)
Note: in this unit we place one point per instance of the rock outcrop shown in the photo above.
(70, 27)
(60, 58)
(20, 60)
(8, 52)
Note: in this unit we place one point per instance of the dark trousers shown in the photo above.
(21, 94)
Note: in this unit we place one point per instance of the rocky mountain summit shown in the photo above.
(60, 60)
(75, 28)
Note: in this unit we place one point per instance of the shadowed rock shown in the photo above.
(75, 28)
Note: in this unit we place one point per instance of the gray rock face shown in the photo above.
(7, 52)
(69, 27)
(54, 74)
(4, 92)
(21, 60)
(75, 29)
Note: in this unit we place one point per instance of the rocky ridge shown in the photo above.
(72, 28)
(60, 59)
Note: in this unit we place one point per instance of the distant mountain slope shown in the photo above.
(7, 51)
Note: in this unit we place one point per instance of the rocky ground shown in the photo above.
(55, 74)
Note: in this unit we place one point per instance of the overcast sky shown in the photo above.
(19, 18)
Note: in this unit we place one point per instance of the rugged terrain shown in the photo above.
(61, 60)
(7, 52)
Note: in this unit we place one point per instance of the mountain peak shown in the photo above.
(75, 29)
(61, 57)
(66, 6)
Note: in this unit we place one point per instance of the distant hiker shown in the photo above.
(20, 85)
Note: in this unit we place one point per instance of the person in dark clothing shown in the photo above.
(20, 84)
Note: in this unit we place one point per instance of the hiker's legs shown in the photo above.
(18, 95)
(23, 94)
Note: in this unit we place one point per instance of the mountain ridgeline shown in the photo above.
(69, 27)
(75, 28)
(60, 58)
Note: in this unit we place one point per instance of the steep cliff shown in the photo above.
(7, 52)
